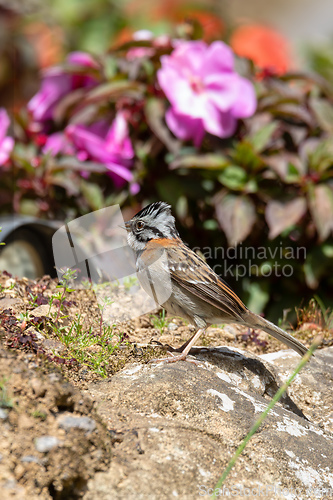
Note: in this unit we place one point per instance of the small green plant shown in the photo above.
(160, 321)
(129, 282)
(5, 400)
(327, 313)
(315, 314)
(32, 299)
(283, 322)
(89, 346)
(106, 301)
(39, 414)
(9, 287)
(24, 316)
(68, 276)
(86, 346)
(91, 349)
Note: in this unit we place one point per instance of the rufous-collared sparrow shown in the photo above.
(193, 290)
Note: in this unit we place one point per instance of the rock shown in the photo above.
(172, 326)
(9, 303)
(10, 283)
(45, 444)
(312, 388)
(30, 459)
(38, 387)
(3, 414)
(69, 422)
(179, 424)
(43, 310)
(53, 345)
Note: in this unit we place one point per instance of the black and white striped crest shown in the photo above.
(152, 222)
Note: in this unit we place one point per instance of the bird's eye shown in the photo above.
(139, 224)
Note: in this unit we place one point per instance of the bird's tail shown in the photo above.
(252, 320)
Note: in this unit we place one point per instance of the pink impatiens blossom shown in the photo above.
(104, 144)
(58, 143)
(6, 142)
(57, 83)
(205, 92)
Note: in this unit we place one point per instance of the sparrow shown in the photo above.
(183, 284)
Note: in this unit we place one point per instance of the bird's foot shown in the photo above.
(172, 359)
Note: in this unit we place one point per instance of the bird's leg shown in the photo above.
(185, 350)
(182, 347)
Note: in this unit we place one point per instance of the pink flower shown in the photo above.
(205, 92)
(104, 144)
(6, 143)
(58, 143)
(57, 83)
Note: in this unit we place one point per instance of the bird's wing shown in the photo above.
(191, 272)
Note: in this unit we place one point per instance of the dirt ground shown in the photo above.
(53, 344)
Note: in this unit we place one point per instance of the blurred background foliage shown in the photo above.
(268, 186)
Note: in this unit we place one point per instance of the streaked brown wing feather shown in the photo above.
(189, 271)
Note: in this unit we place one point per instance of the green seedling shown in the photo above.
(68, 277)
(160, 321)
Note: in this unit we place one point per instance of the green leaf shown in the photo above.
(66, 180)
(70, 163)
(321, 157)
(236, 215)
(29, 207)
(243, 154)
(208, 161)
(155, 111)
(261, 138)
(321, 208)
(318, 265)
(110, 67)
(294, 112)
(258, 292)
(251, 186)
(327, 250)
(172, 188)
(69, 101)
(313, 78)
(114, 90)
(323, 111)
(134, 43)
(233, 177)
(282, 215)
(93, 194)
(293, 175)
(287, 166)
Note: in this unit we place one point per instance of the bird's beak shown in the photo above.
(127, 226)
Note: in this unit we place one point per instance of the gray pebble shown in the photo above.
(30, 458)
(46, 443)
(3, 414)
(85, 423)
(172, 327)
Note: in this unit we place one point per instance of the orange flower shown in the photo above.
(267, 48)
(48, 42)
(177, 11)
(212, 25)
(123, 36)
